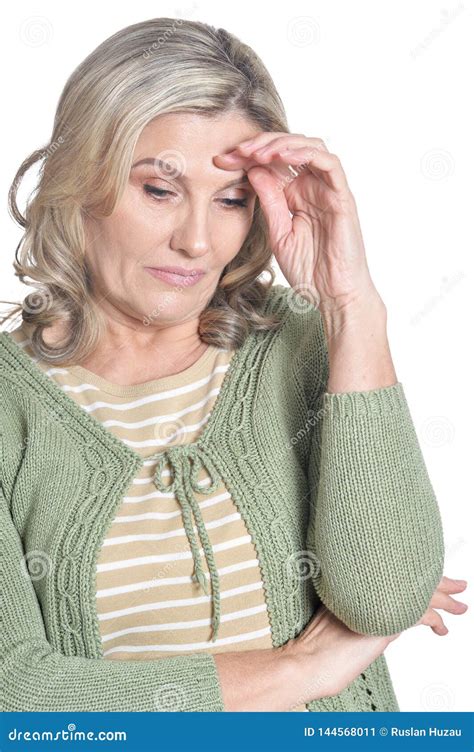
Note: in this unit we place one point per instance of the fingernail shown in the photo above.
(229, 155)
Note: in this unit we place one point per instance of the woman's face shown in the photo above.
(195, 220)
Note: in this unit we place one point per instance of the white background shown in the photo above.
(386, 86)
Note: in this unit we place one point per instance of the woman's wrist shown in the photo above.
(358, 349)
(303, 683)
(267, 680)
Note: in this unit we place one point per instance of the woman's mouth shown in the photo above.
(175, 278)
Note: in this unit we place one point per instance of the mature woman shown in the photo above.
(213, 497)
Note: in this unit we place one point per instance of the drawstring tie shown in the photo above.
(186, 462)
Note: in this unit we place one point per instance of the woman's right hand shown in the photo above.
(327, 656)
(442, 599)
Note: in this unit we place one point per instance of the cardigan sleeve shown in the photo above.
(375, 530)
(38, 678)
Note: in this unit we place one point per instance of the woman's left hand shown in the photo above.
(319, 248)
(442, 600)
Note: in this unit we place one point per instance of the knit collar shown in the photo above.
(63, 404)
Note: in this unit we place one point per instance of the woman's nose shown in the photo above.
(192, 233)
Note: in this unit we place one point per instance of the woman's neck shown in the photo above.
(132, 362)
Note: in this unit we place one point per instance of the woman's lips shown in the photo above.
(175, 279)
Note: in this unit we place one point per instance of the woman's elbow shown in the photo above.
(381, 605)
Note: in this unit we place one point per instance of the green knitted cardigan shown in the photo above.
(332, 487)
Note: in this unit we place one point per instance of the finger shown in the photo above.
(432, 619)
(272, 202)
(444, 601)
(291, 141)
(271, 140)
(264, 138)
(289, 144)
(275, 162)
(245, 147)
(448, 585)
(317, 161)
(234, 161)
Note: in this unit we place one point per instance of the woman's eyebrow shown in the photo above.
(168, 169)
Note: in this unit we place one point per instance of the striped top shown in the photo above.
(149, 606)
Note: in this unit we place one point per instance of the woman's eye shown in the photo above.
(156, 191)
(238, 202)
(229, 203)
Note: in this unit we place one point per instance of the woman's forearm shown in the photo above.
(320, 662)
(358, 349)
(371, 495)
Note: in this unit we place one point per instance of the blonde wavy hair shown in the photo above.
(147, 69)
